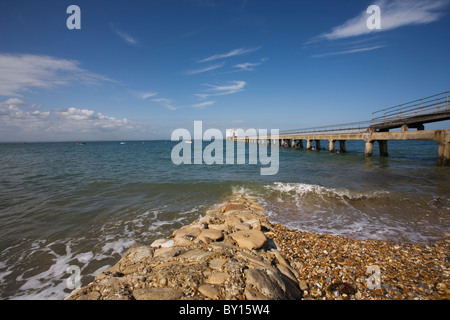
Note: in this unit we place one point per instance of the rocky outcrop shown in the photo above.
(226, 254)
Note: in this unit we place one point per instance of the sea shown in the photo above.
(64, 205)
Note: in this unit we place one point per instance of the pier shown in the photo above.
(406, 116)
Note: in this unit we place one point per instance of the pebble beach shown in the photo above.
(234, 253)
(336, 268)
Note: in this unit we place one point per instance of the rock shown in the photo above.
(232, 221)
(217, 263)
(163, 243)
(251, 294)
(209, 291)
(220, 227)
(157, 243)
(93, 295)
(138, 253)
(211, 234)
(182, 241)
(342, 288)
(254, 223)
(157, 294)
(162, 251)
(287, 272)
(218, 278)
(263, 283)
(256, 261)
(256, 206)
(167, 244)
(244, 215)
(243, 226)
(303, 285)
(233, 206)
(252, 239)
(195, 255)
(208, 259)
(441, 288)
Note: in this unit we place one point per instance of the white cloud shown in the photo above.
(232, 53)
(125, 37)
(165, 102)
(208, 68)
(146, 95)
(15, 102)
(203, 104)
(394, 14)
(355, 50)
(247, 66)
(21, 122)
(22, 72)
(234, 86)
(216, 90)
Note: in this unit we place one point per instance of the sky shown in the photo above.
(138, 70)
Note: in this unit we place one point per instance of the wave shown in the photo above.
(310, 190)
(380, 214)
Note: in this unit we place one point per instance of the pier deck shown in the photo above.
(409, 115)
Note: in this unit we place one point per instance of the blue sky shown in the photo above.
(141, 69)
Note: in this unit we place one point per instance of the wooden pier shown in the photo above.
(411, 115)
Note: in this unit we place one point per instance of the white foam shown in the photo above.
(304, 189)
(84, 257)
(339, 211)
(43, 285)
(117, 246)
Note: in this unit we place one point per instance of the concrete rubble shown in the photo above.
(226, 254)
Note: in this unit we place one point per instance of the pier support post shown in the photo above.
(308, 145)
(331, 145)
(293, 143)
(317, 144)
(443, 158)
(442, 137)
(369, 149)
(342, 148)
(383, 148)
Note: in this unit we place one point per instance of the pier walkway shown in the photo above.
(407, 116)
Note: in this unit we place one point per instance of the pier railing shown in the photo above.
(436, 104)
(351, 127)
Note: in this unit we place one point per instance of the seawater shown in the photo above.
(63, 204)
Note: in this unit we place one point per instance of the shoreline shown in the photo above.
(234, 253)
